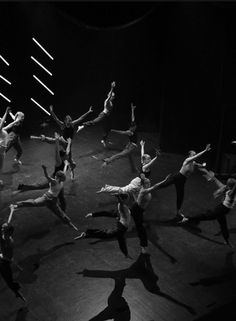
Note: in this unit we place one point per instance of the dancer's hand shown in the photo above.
(8, 109)
(128, 257)
(100, 191)
(90, 109)
(208, 147)
(89, 215)
(113, 84)
(233, 142)
(142, 143)
(133, 106)
(56, 135)
(43, 137)
(51, 108)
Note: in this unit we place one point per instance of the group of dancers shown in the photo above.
(132, 199)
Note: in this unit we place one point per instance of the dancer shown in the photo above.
(122, 214)
(14, 130)
(50, 198)
(132, 135)
(219, 213)
(104, 116)
(139, 207)
(179, 179)
(68, 130)
(6, 256)
(3, 140)
(147, 161)
(61, 164)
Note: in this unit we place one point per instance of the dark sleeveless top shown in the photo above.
(133, 138)
(68, 132)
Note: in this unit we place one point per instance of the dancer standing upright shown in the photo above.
(104, 116)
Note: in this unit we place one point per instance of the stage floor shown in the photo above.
(189, 272)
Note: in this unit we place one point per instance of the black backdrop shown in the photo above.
(175, 61)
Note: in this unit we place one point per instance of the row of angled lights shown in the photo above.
(36, 78)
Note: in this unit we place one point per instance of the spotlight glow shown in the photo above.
(7, 81)
(34, 101)
(51, 92)
(37, 62)
(4, 60)
(8, 100)
(44, 50)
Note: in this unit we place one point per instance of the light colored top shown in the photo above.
(3, 138)
(229, 201)
(124, 215)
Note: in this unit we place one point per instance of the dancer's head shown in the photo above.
(230, 183)
(19, 116)
(191, 153)
(7, 229)
(124, 197)
(60, 176)
(146, 159)
(68, 120)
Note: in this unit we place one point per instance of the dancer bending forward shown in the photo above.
(219, 213)
(50, 198)
(122, 214)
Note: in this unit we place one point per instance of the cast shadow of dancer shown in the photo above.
(141, 269)
(228, 274)
(32, 262)
(191, 228)
(117, 308)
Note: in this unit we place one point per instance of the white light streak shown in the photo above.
(40, 46)
(4, 60)
(5, 97)
(40, 106)
(37, 62)
(51, 92)
(7, 81)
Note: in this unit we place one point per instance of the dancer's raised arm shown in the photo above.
(2, 121)
(49, 178)
(81, 118)
(57, 120)
(192, 158)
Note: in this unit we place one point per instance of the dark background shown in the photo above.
(175, 61)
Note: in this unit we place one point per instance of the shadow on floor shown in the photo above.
(141, 269)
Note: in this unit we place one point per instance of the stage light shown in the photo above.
(7, 81)
(51, 92)
(8, 100)
(37, 62)
(4, 60)
(34, 101)
(44, 50)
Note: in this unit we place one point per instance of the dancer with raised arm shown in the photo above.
(146, 160)
(68, 130)
(104, 116)
(219, 213)
(132, 136)
(6, 256)
(140, 205)
(122, 215)
(14, 130)
(50, 198)
(3, 140)
(179, 179)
